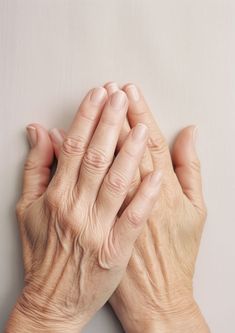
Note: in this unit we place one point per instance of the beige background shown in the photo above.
(180, 52)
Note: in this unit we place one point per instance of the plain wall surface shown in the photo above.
(181, 53)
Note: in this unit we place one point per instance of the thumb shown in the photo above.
(187, 166)
(38, 163)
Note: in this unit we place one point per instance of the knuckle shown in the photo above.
(53, 198)
(73, 146)
(116, 183)
(29, 165)
(134, 218)
(95, 160)
(131, 153)
(69, 222)
(87, 113)
(158, 145)
(89, 242)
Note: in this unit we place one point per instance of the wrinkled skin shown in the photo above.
(76, 246)
(156, 293)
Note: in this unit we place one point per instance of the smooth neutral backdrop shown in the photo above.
(182, 55)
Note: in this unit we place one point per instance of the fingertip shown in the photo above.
(129, 84)
(98, 96)
(111, 87)
(32, 135)
(40, 142)
(34, 131)
(184, 147)
(56, 136)
(118, 99)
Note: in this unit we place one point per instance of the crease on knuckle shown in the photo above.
(157, 145)
(195, 165)
(130, 153)
(116, 183)
(143, 112)
(74, 146)
(134, 218)
(109, 121)
(95, 160)
(87, 113)
(31, 165)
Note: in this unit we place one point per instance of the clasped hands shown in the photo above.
(120, 220)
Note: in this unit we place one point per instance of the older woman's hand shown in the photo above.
(156, 294)
(76, 247)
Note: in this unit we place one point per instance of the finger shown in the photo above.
(131, 222)
(38, 163)
(111, 87)
(187, 165)
(79, 136)
(57, 138)
(139, 112)
(100, 152)
(145, 165)
(116, 183)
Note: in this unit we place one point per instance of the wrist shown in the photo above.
(185, 318)
(177, 323)
(30, 317)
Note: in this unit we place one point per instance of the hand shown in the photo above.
(156, 294)
(76, 243)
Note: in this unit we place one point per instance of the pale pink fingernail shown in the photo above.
(118, 99)
(133, 93)
(140, 132)
(32, 135)
(111, 87)
(98, 95)
(56, 136)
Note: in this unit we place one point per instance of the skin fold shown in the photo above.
(76, 240)
(156, 293)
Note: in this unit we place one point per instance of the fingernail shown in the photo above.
(56, 136)
(195, 135)
(32, 135)
(118, 99)
(155, 178)
(111, 87)
(133, 93)
(140, 132)
(98, 95)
